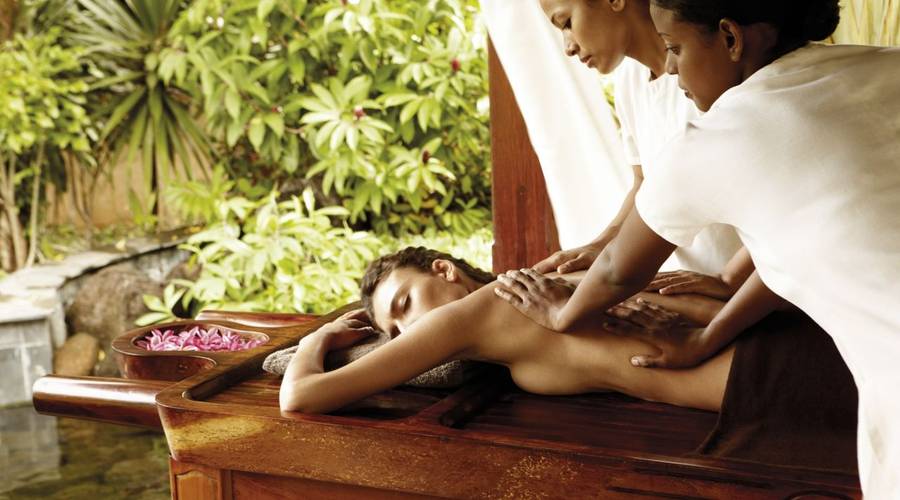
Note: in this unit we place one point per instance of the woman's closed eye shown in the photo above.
(404, 306)
(673, 49)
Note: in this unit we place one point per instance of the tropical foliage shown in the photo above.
(378, 107)
(43, 123)
(286, 256)
(376, 101)
(140, 112)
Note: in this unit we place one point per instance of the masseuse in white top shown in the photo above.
(619, 35)
(811, 135)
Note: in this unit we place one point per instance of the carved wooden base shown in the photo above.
(199, 482)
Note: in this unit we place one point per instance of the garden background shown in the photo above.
(298, 139)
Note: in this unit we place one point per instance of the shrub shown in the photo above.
(42, 122)
(380, 102)
(288, 256)
(137, 110)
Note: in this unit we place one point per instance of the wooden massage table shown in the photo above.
(229, 440)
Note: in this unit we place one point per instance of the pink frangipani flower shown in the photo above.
(197, 339)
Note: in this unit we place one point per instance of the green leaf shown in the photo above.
(155, 102)
(257, 132)
(319, 117)
(121, 111)
(297, 67)
(257, 91)
(337, 137)
(358, 88)
(425, 113)
(233, 103)
(433, 145)
(234, 133)
(391, 100)
(409, 110)
(276, 123)
(324, 95)
(153, 318)
(265, 8)
(352, 137)
(154, 303)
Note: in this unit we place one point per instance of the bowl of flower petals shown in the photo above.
(177, 350)
(198, 338)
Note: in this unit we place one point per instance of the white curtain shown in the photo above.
(570, 123)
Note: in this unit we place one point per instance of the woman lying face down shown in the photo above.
(439, 309)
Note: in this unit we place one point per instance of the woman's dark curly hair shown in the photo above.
(797, 21)
(418, 258)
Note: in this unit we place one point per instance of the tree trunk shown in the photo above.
(6, 261)
(35, 208)
(16, 243)
(9, 10)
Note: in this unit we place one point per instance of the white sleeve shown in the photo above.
(667, 201)
(625, 114)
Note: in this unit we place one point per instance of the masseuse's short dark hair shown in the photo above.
(418, 258)
(797, 21)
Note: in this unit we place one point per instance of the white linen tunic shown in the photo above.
(807, 157)
(651, 113)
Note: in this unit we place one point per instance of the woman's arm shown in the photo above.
(687, 347)
(752, 302)
(738, 269)
(722, 286)
(576, 259)
(624, 268)
(437, 337)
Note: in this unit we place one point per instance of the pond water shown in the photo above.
(45, 457)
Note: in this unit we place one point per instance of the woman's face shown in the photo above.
(406, 294)
(593, 30)
(702, 60)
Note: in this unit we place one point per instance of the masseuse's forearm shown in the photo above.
(738, 269)
(600, 289)
(752, 302)
(624, 268)
(627, 206)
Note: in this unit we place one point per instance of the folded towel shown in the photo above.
(445, 376)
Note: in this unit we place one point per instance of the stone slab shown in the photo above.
(17, 308)
(93, 259)
(38, 277)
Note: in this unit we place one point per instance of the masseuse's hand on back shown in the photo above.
(574, 259)
(535, 295)
(680, 343)
(581, 258)
(721, 287)
(684, 282)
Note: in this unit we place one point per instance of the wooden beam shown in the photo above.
(524, 227)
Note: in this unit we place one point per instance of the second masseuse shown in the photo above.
(811, 180)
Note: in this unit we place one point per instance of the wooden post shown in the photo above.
(524, 227)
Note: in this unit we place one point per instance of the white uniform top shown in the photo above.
(807, 157)
(651, 113)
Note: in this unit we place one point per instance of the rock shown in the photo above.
(107, 305)
(76, 358)
(184, 271)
